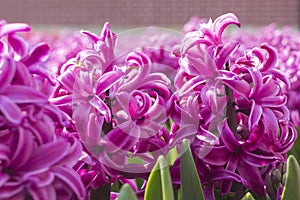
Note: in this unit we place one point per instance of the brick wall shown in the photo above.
(130, 13)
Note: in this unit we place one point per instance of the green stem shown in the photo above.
(102, 193)
(230, 110)
(107, 126)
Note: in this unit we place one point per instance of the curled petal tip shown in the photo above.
(13, 28)
(223, 21)
(272, 57)
(93, 37)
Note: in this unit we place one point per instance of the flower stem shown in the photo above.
(102, 193)
(230, 110)
(107, 126)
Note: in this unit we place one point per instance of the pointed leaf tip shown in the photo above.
(191, 186)
(248, 196)
(159, 185)
(292, 187)
(126, 193)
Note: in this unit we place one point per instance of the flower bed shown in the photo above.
(157, 115)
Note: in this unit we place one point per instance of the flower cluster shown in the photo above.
(233, 109)
(286, 43)
(37, 152)
(116, 109)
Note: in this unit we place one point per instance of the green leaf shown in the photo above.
(292, 187)
(190, 182)
(248, 196)
(126, 193)
(139, 182)
(159, 186)
(172, 156)
(179, 195)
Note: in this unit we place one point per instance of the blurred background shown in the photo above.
(136, 13)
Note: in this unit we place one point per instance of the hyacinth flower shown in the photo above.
(264, 104)
(288, 58)
(254, 133)
(82, 94)
(139, 111)
(199, 103)
(115, 110)
(31, 58)
(85, 93)
(202, 56)
(83, 82)
(202, 52)
(285, 41)
(37, 155)
(39, 171)
(286, 44)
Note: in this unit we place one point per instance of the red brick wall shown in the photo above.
(146, 12)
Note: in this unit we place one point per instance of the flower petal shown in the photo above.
(252, 176)
(223, 21)
(123, 137)
(10, 189)
(276, 101)
(101, 107)
(272, 57)
(218, 155)
(228, 137)
(224, 174)
(74, 152)
(81, 115)
(71, 179)
(257, 160)
(10, 110)
(67, 79)
(281, 76)
(5, 153)
(107, 80)
(255, 115)
(47, 192)
(22, 94)
(271, 124)
(22, 145)
(257, 81)
(238, 85)
(269, 88)
(185, 132)
(12, 28)
(38, 55)
(224, 53)
(92, 36)
(7, 72)
(94, 130)
(47, 155)
(255, 138)
(19, 45)
(3, 178)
